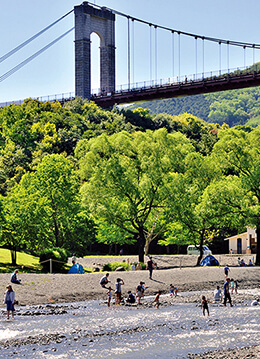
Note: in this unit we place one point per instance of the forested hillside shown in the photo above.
(75, 175)
(236, 107)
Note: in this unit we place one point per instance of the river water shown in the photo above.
(92, 330)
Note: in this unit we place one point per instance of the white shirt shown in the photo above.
(9, 296)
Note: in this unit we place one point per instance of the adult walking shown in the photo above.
(150, 266)
(226, 293)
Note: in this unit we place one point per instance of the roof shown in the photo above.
(241, 235)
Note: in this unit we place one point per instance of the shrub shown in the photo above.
(59, 257)
(110, 267)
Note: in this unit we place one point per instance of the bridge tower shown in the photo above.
(89, 19)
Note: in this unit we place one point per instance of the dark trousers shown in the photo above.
(150, 272)
(227, 297)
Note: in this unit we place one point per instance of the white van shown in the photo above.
(194, 250)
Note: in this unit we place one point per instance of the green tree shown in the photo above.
(185, 208)
(175, 233)
(24, 225)
(126, 176)
(238, 153)
(45, 210)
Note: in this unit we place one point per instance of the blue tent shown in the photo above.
(209, 261)
(76, 268)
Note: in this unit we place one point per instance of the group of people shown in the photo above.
(118, 291)
(241, 263)
(131, 298)
(218, 296)
(136, 267)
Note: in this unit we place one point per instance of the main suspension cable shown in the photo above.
(29, 59)
(19, 47)
(208, 38)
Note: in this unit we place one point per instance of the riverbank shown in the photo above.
(60, 288)
(54, 289)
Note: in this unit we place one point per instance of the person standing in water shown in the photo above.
(204, 305)
(118, 291)
(109, 295)
(156, 299)
(226, 293)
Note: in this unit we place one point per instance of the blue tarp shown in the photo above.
(209, 261)
(76, 268)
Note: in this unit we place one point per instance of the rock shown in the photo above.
(194, 328)
(120, 269)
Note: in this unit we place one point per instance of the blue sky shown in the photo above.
(53, 71)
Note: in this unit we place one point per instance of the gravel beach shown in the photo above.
(39, 289)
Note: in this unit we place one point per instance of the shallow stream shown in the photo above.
(92, 330)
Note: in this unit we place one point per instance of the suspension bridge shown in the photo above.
(90, 18)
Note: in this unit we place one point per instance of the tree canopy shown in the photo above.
(126, 176)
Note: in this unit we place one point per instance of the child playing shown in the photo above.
(173, 290)
(109, 294)
(236, 286)
(9, 301)
(218, 295)
(119, 283)
(204, 305)
(156, 300)
(232, 285)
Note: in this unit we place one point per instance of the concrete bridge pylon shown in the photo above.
(89, 19)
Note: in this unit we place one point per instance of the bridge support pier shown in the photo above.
(89, 19)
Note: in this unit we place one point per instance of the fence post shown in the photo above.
(50, 266)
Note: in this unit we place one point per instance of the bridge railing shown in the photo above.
(177, 80)
(63, 97)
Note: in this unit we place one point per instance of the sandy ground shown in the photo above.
(51, 288)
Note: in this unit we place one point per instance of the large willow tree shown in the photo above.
(126, 177)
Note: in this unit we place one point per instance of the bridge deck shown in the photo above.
(186, 88)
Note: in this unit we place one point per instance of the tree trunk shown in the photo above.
(13, 256)
(141, 244)
(146, 247)
(201, 248)
(258, 245)
(56, 232)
